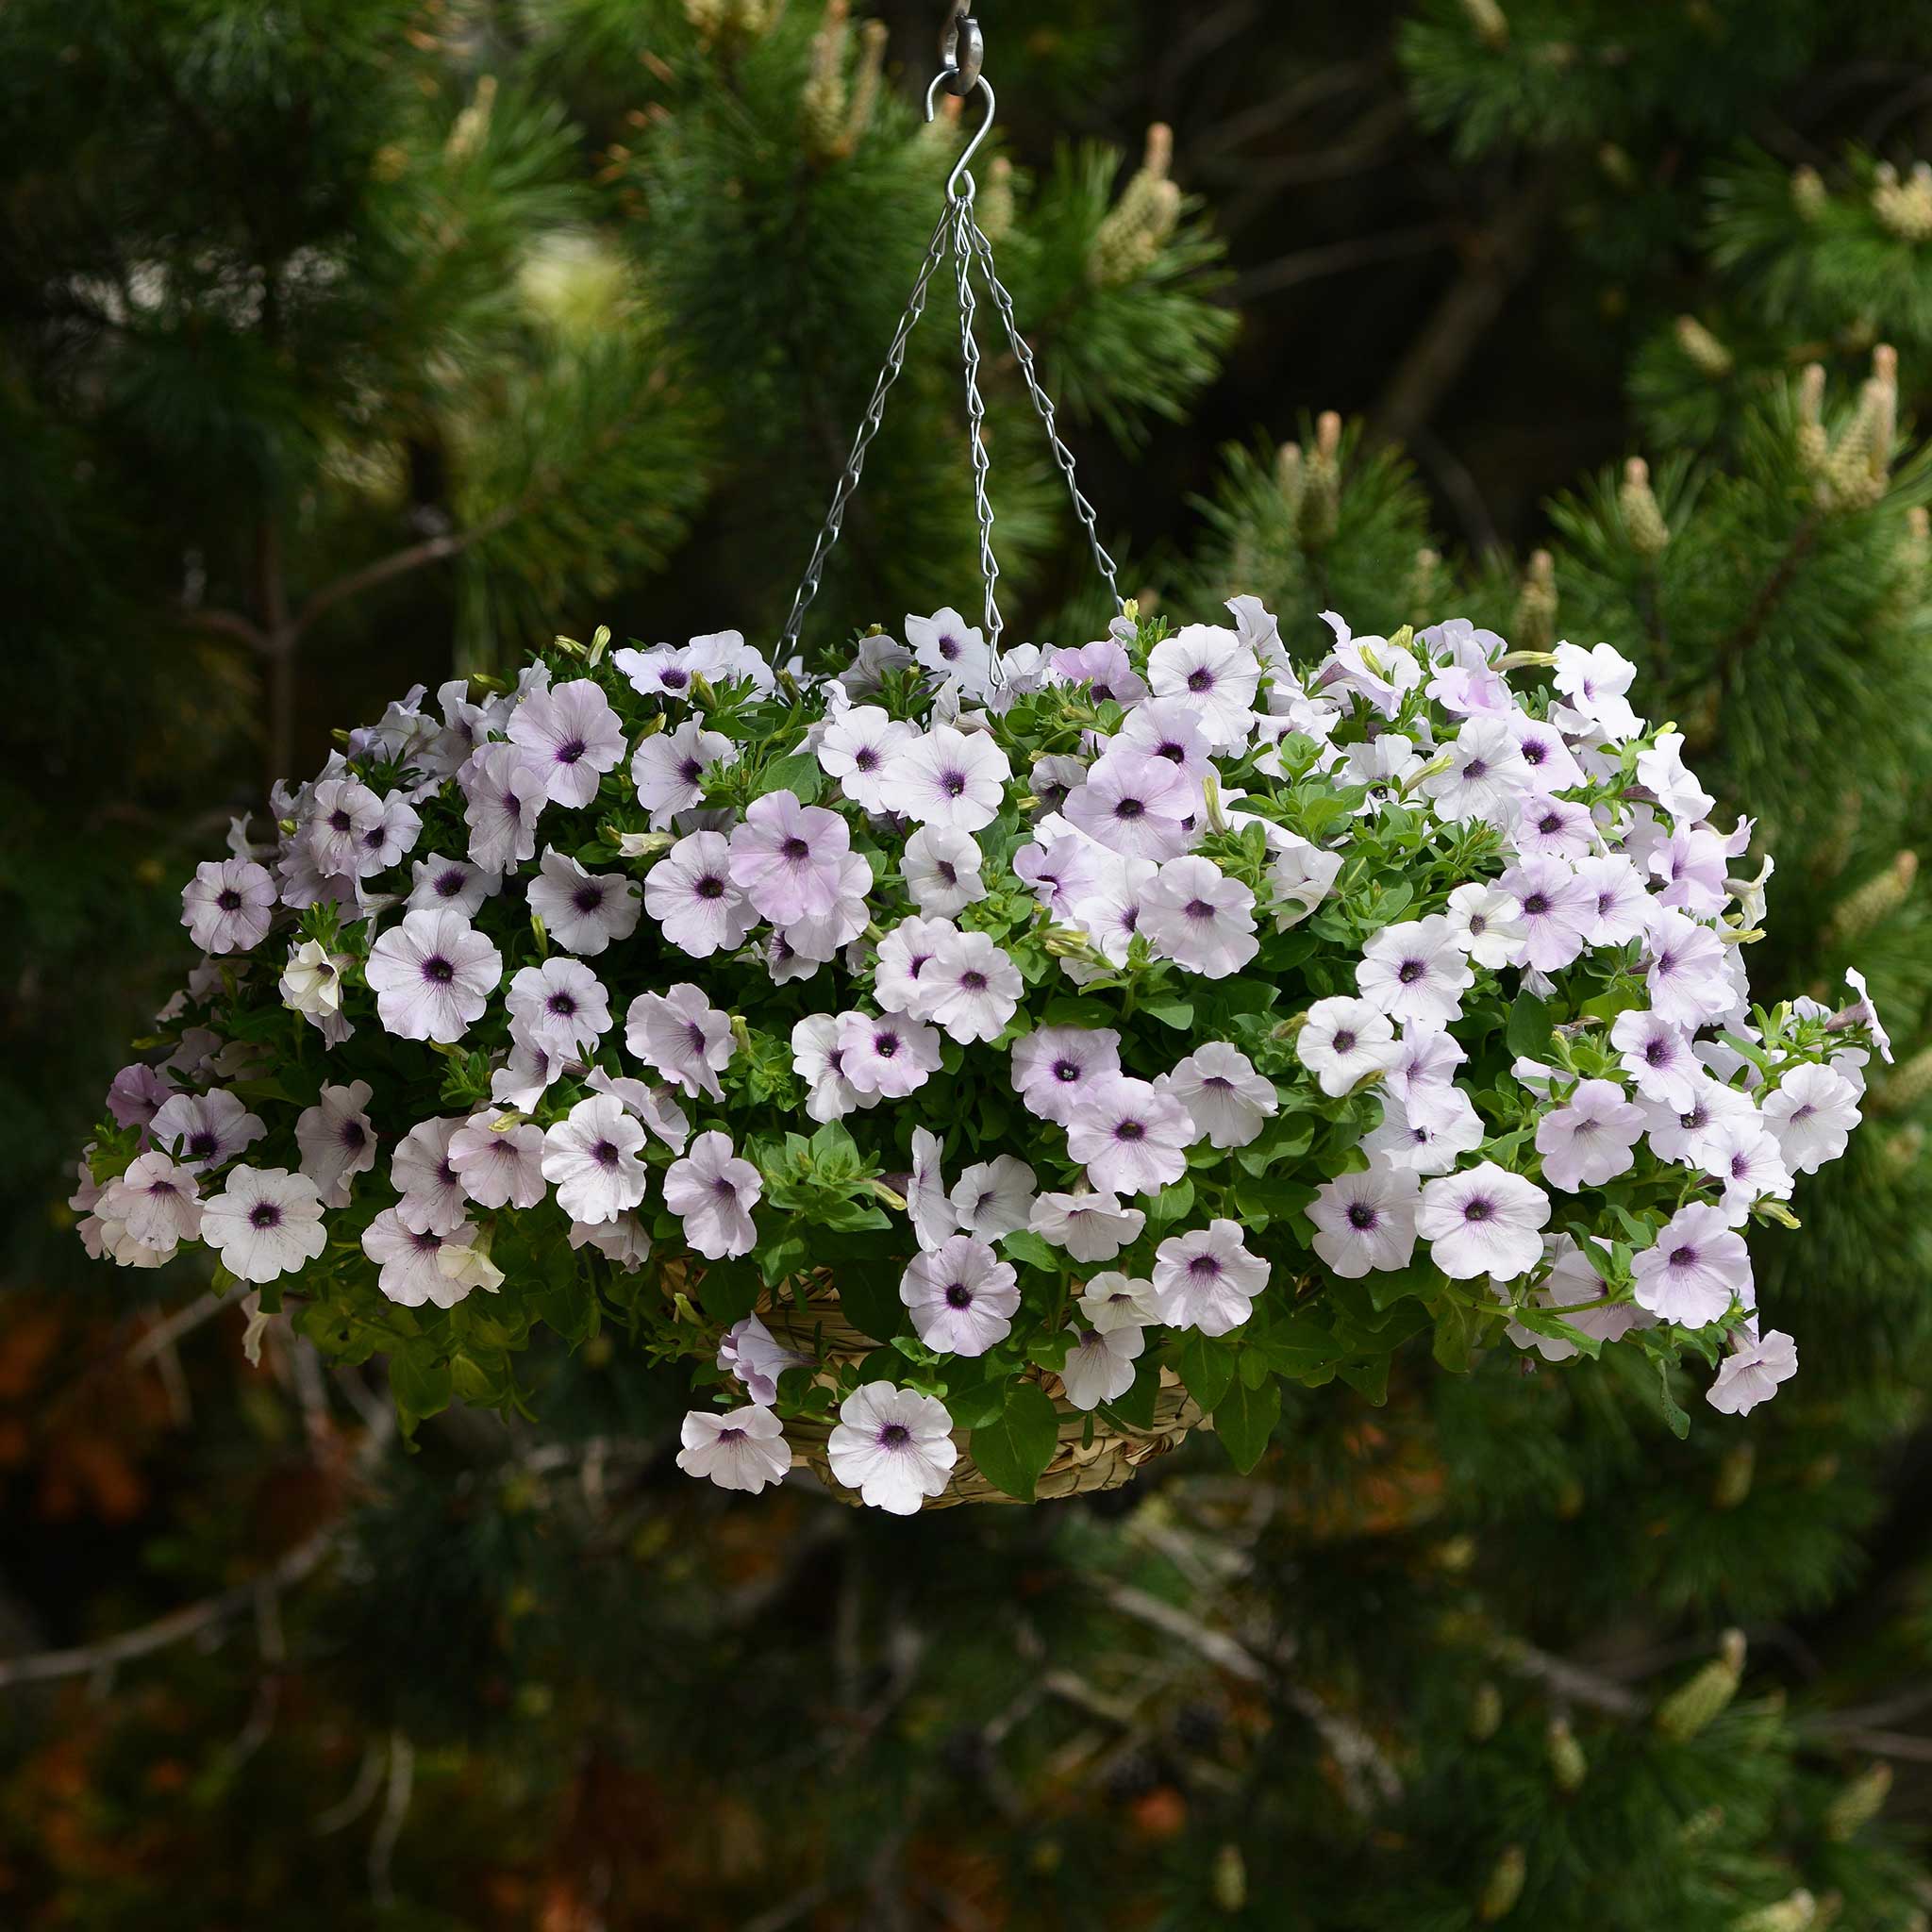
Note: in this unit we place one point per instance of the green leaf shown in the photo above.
(1172, 1203)
(1205, 1364)
(1013, 1449)
(1179, 1014)
(422, 1384)
(1457, 1330)
(976, 1405)
(1370, 1378)
(798, 773)
(730, 1291)
(1245, 1419)
(1029, 1247)
(868, 1294)
(1667, 1401)
(1530, 1028)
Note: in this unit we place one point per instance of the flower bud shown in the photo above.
(1910, 1082)
(1734, 1476)
(1485, 1712)
(1644, 522)
(1567, 1765)
(1706, 352)
(1491, 22)
(1904, 208)
(1505, 1887)
(1809, 194)
(1797, 1913)
(1696, 1704)
(1858, 1803)
(1230, 1883)
(1873, 902)
(1131, 236)
(1536, 603)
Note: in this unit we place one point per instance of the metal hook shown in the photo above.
(962, 48)
(959, 183)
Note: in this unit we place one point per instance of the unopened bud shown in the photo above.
(1707, 353)
(1485, 1712)
(1322, 497)
(1813, 447)
(1876, 900)
(822, 102)
(1491, 22)
(1734, 1476)
(1536, 603)
(1904, 208)
(1505, 1887)
(1858, 1803)
(1809, 195)
(1129, 239)
(1617, 165)
(1644, 522)
(1698, 1704)
(1567, 1765)
(1230, 1883)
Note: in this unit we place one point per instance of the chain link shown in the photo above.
(1062, 455)
(944, 235)
(958, 234)
(963, 225)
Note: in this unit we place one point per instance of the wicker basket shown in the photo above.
(1094, 1453)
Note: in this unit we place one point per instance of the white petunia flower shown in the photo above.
(1657, 1054)
(1226, 1098)
(1206, 1279)
(894, 1446)
(970, 989)
(583, 912)
(1195, 915)
(691, 895)
(1478, 775)
(1091, 1228)
(1742, 1156)
(712, 1193)
(1488, 923)
(1812, 1110)
(1694, 1270)
(337, 1141)
(948, 646)
(204, 1130)
(856, 748)
(890, 1056)
(1131, 1137)
(499, 1163)
(560, 1003)
(432, 976)
(993, 1197)
(1752, 1374)
(228, 904)
(940, 868)
(815, 1058)
(669, 769)
(682, 1035)
(1590, 1139)
(1366, 1221)
(1100, 1365)
(452, 885)
(898, 970)
(1300, 875)
(962, 1296)
(928, 1207)
(1112, 1300)
(950, 778)
(1429, 1145)
(265, 1223)
(1416, 972)
(743, 1449)
(155, 1201)
(574, 734)
(410, 1260)
(1216, 673)
(1484, 1220)
(1343, 1042)
(591, 1155)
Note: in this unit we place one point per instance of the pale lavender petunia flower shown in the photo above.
(1481, 773)
(525, 1075)
(951, 779)
(1422, 1076)
(575, 734)
(1427, 1143)
(691, 895)
(1112, 1300)
(962, 1296)
(452, 885)
(583, 912)
(1484, 1220)
(504, 789)
(1753, 1373)
(1171, 728)
(1743, 1157)
(744, 1449)
(138, 1093)
(652, 1106)
(1590, 1138)
(1694, 1270)
(928, 1205)
(899, 967)
(1060, 867)
(337, 1141)
(1206, 1279)
(948, 646)
(341, 813)
(264, 1224)
(1090, 1226)
(894, 1446)
(204, 1130)
(821, 936)
(1813, 1111)
(1113, 911)
(969, 987)
(890, 1056)
(1137, 805)
(857, 747)
(1547, 828)
(668, 768)
(1216, 673)
(1103, 667)
(787, 858)
(1689, 1134)
(1488, 923)
(432, 977)
(561, 1003)
(1416, 972)
(1657, 1057)
(1131, 1137)
(994, 1197)
(1552, 765)
(1619, 905)
(816, 1060)
(622, 1242)
(422, 1173)
(1195, 915)
(1100, 1365)
(498, 1162)
(227, 905)
(391, 839)
(751, 1353)
(1055, 1068)
(712, 1193)
(1226, 1098)
(1366, 1221)
(1343, 1042)
(155, 1201)
(940, 868)
(1558, 911)
(410, 1260)
(1685, 969)
(591, 1155)
(681, 1034)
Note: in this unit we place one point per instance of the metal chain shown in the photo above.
(963, 227)
(942, 234)
(1062, 455)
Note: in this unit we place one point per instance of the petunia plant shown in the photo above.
(944, 1059)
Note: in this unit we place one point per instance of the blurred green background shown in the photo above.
(349, 344)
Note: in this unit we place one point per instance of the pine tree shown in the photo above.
(474, 323)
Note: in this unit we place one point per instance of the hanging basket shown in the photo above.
(1095, 1454)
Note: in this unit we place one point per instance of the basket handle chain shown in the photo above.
(958, 234)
